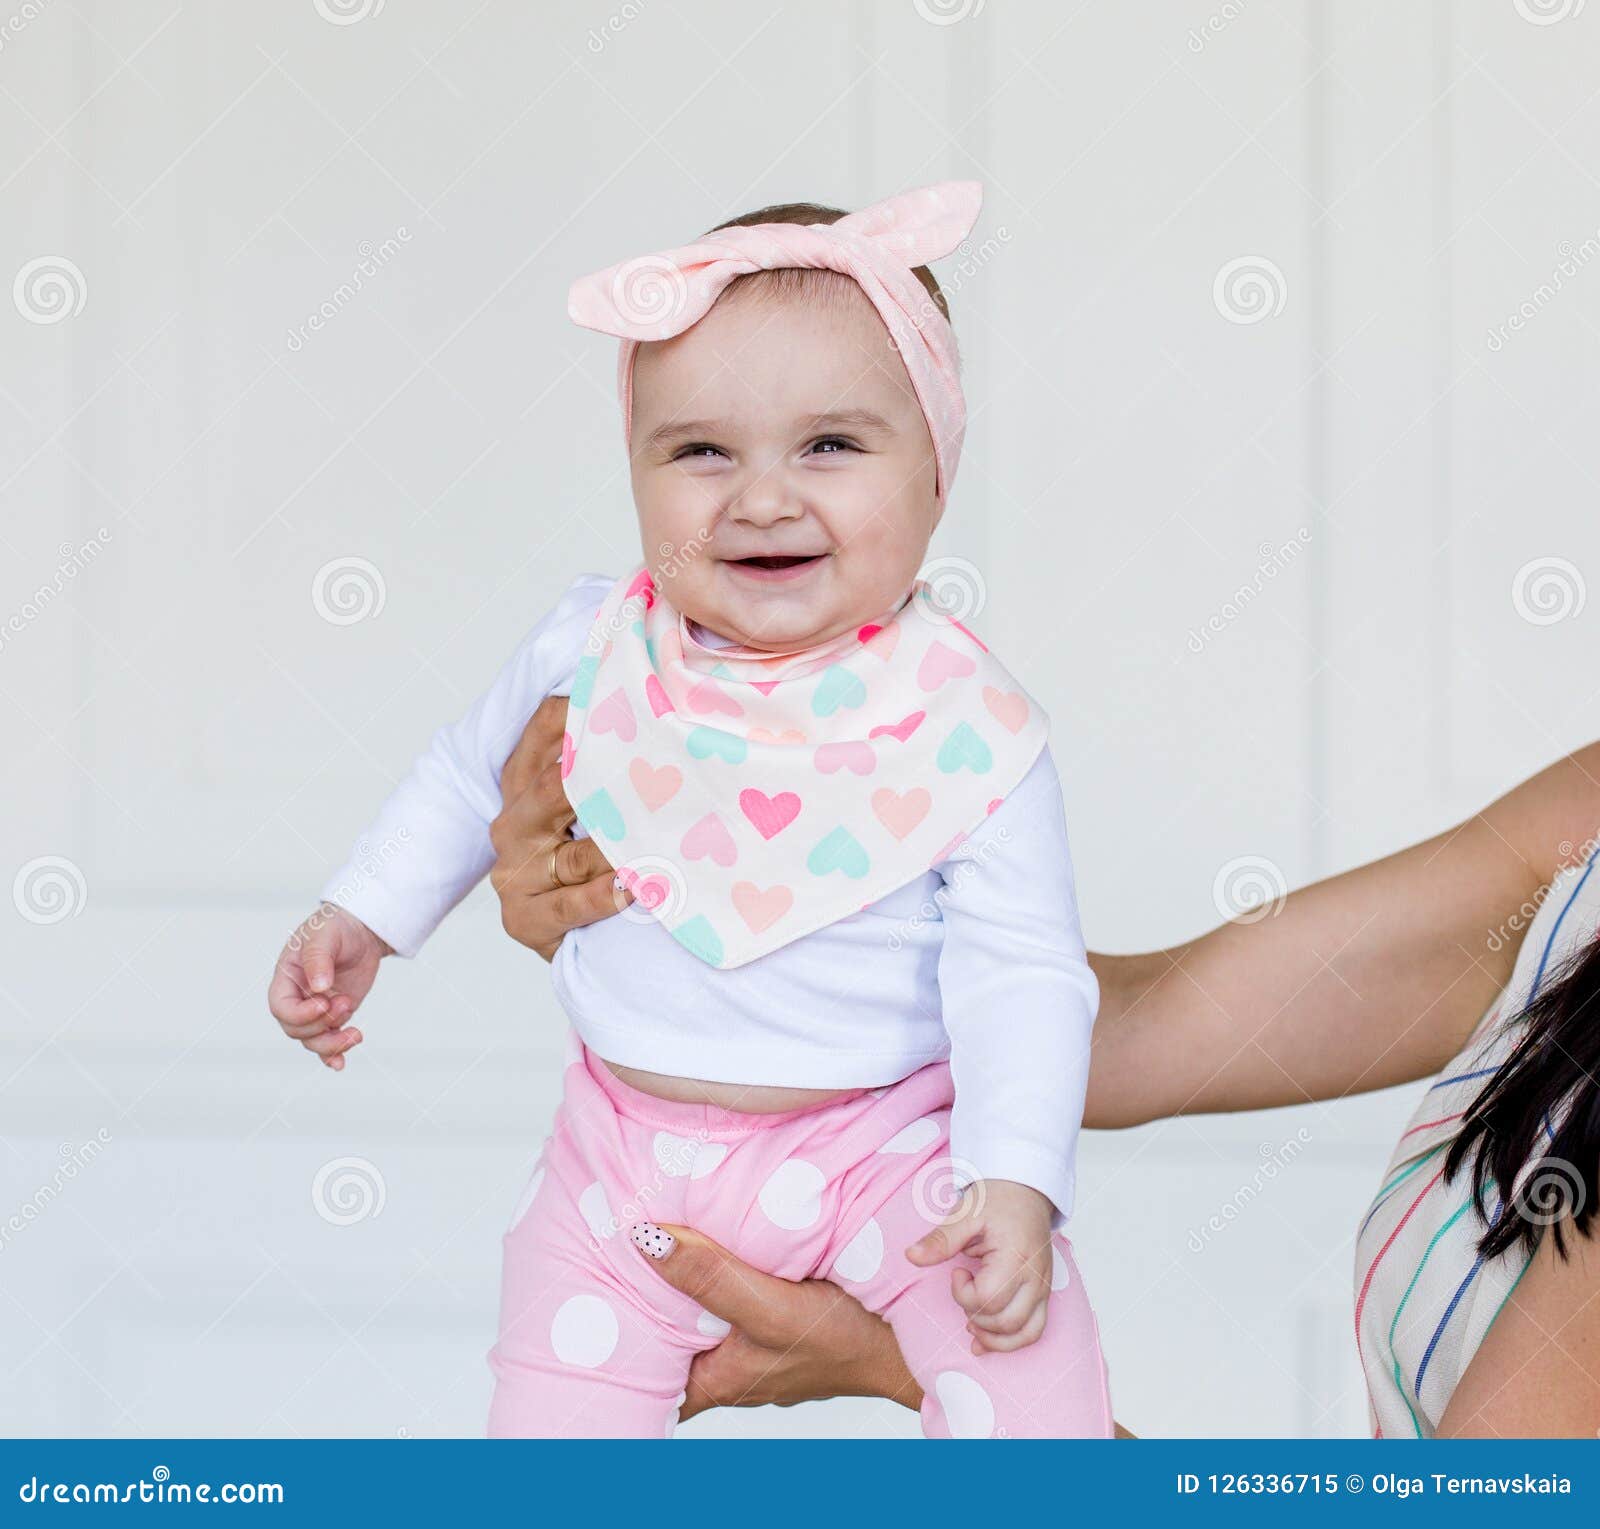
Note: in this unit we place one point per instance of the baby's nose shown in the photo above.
(766, 500)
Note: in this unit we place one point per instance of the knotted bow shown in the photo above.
(653, 297)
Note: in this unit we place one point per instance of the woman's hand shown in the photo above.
(791, 1342)
(537, 908)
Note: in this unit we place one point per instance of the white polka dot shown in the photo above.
(672, 1416)
(914, 1137)
(526, 1202)
(968, 1412)
(686, 1156)
(792, 1197)
(712, 1326)
(596, 1211)
(863, 1254)
(584, 1332)
(1060, 1269)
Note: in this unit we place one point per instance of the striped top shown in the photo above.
(1424, 1296)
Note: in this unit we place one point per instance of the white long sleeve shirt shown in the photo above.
(980, 960)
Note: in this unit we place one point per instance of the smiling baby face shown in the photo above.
(782, 468)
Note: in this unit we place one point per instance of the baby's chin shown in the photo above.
(776, 616)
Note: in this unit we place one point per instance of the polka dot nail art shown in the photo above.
(649, 1239)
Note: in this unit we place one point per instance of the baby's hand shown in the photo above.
(1006, 1226)
(326, 969)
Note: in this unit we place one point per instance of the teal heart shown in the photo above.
(704, 742)
(838, 851)
(650, 653)
(583, 681)
(837, 687)
(698, 938)
(964, 748)
(598, 813)
(638, 629)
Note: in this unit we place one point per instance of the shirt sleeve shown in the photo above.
(429, 844)
(1018, 995)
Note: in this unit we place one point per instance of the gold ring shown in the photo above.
(555, 870)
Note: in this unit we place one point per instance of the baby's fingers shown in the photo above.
(1007, 1312)
(333, 1043)
(1004, 1343)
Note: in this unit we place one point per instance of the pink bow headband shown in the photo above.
(654, 297)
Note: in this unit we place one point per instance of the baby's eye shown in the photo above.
(831, 445)
(698, 449)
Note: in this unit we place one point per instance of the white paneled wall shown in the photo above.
(1269, 509)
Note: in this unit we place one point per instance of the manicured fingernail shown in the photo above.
(649, 1239)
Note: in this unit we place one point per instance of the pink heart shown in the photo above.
(615, 715)
(568, 754)
(995, 803)
(948, 850)
(710, 837)
(902, 729)
(852, 755)
(1007, 707)
(709, 698)
(644, 585)
(901, 813)
(654, 786)
(650, 890)
(973, 635)
(868, 632)
(761, 910)
(656, 696)
(940, 663)
(766, 687)
(766, 735)
(770, 814)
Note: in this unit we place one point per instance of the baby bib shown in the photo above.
(748, 798)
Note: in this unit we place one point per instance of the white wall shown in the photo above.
(186, 730)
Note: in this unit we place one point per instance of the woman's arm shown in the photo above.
(1537, 1372)
(1368, 979)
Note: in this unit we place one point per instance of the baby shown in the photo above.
(842, 1025)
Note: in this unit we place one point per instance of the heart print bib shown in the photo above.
(749, 798)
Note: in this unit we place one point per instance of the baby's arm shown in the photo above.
(1019, 1003)
(429, 844)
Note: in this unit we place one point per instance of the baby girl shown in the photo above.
(842, 1026)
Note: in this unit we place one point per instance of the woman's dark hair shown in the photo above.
(1549, 1084)
(792, 279)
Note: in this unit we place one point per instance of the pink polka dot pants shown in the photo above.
(593, 1342)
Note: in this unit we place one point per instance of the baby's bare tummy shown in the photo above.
(751, 1098)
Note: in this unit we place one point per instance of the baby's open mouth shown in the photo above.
(775, 562)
